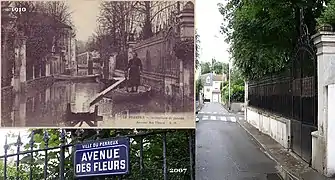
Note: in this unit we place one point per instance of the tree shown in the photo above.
(154, 10)
(236, 87)
(199, 86)
(43, 24)
(225, 69)
(328, 15)
(263, 34)
(216, 67)
(205, 68)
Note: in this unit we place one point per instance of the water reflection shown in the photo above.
(48, 107)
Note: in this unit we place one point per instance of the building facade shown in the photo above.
(211, 86)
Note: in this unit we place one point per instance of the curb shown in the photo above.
(286, 175)
(230, 111)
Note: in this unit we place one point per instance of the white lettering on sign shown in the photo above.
(86, 167)
(109, 165)
(100, 144)
(102, 160)
(101, 154)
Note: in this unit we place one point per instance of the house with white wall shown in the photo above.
(211, 86)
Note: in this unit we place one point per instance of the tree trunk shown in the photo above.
(147, 28)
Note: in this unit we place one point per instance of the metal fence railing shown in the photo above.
(40, 154)
(293, 98)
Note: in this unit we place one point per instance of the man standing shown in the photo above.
(135, 69)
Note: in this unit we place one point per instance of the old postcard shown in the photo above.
(113, 64)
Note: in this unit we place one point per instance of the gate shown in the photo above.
(54, 159)
(304, 94)
(293, 94)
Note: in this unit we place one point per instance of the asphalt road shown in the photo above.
(225, 151)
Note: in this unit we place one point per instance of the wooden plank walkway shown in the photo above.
(99, 96)
(69, 77)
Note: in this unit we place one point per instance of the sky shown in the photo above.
(208, 20)
(84, 15)
(4, 131)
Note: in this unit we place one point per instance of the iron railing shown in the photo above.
(136, 165)
(293, 98)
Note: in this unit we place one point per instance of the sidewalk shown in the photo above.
(290, 166)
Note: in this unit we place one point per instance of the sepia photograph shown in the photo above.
(97, 154)
(117, 64)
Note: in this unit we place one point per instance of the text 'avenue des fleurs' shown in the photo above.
(102, 158)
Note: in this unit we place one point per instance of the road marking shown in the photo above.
(205, 118)
(223, 118)
(233, 119)
(213, 117)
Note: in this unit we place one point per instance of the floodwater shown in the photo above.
(48, 107)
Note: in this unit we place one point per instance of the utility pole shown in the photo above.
(229, 85)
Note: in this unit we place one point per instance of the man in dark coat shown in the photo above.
(135, 69)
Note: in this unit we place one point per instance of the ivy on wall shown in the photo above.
(184, 50)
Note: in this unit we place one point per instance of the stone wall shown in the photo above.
(161, 68)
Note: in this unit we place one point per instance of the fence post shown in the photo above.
(191, 153)
(322, 141)
(62, 154)
(246, 99)
(31, 143)
(18, 144)
(46, 141)
(141, 156)
(164, 157)
(6, 147)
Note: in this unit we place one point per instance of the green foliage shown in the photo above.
(199, 86)
(205, 68)
(237, 93)
(237, 87)
(11, 171)
(217, 67)
(236, 77)
(328, 15)
(263, 34)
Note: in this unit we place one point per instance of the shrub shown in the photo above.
(237, 93)
(328, 15)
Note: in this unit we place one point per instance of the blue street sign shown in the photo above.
(100, 158)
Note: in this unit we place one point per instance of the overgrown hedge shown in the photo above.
(237, 93)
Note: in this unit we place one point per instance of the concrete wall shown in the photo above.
(331, 130)
(237, 107)
(276, 127)
(323, 146)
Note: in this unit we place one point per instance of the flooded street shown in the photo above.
(48, 106)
